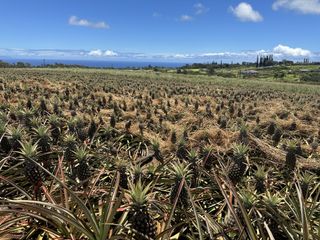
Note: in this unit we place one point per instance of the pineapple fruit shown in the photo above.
(141, 222)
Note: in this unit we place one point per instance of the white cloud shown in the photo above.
(294, 52)
(100, 53)
(179, 55)
(246, 13)
(95, 53)
(186, 18)
(75, 21)
(303, 6)
(200, 8)
(110, 53)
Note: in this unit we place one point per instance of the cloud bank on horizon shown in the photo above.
(280, 52)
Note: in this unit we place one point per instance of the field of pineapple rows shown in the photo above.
(123, 154)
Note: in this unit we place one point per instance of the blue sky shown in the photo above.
(168, 30)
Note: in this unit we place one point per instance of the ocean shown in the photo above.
(96, 63)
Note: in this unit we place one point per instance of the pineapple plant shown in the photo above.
(41, 135)
(56, 108)
(182, 151)
(299, 150)
(81, 131)
(27, 115)
(151, 173)
(70, 143)
(257, 120)
(141, 128)
(173, 137)
(314, 145)
(208, 110)
(34, 174)
(137, 174)
(70, 146)
(193, 157)
(15, 136)
(113, 121)
(243, 135)
(196, 106)
(5, 145)
(29, 104)
(237, 167)
(229, 219)
(248, 200)
(185, 135)
(128, 125)
(141, 222)
(222, 121)
(161, 120)
(82, 156)
(307, 178)
(207, 157)
(72, 125)
(291, 159)
(42, 138)
(122, 170)
(55, 127)
(43, 107)
(92, 129)
(276, 137)
(157, 152)
(260, 177)
(271, 128)
(273, 202)
(35, 122)
(180, 171)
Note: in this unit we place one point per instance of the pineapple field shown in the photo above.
(136, 154)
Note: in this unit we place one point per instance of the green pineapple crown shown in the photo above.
(261, 173)
(155, 145)
(54, 119)
(35, 122)
(151, 169)
(192, 155)
(28, 113)
(81, 154)
(248, 199)
(273, 200)
(138, 193)
(70, 139)
(2, 128)
(72, 122)
(80, 122)
(29, 150)
(16, 133)
(121, 163)
(182, 142)
(180, 170)
(42, 132)
(291, 146)
(207, 149)
(240, 150)
(308, 177)
(243, 127)
(3, 117)
(136, 169)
